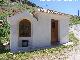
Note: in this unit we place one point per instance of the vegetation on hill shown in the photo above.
(74, 20)
(8, 8)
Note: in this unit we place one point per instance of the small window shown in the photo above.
(25, 43)
(25, 28)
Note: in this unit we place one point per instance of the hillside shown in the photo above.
(9, 8)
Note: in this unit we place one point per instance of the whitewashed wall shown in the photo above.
(41, 30)
(15, 40)
(63, 25)
(64, 30)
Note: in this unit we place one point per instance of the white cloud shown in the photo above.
(48, 0)
(53, 0)
(42, 0)
(65, 0)
(70, 0)
(59, 0)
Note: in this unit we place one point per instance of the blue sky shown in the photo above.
(65, 6)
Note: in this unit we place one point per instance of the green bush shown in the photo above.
(74, 20)
(4, 30)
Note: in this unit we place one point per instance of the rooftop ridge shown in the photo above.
(51, 11)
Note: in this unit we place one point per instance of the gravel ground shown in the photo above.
(75, 53)
(68, 54)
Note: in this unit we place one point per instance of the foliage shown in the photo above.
(73, 39)
(4, 31)
(31, 4)
(74, 20)
(1, 2)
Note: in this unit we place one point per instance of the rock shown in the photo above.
(7, 45)
(69, 43)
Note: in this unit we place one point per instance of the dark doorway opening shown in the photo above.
(54, 32)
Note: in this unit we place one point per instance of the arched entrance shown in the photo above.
(25, 28)
(24, 33)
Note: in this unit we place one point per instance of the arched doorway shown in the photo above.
(24, 33)
(25, 28)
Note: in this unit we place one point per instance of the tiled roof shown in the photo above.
(50, 11)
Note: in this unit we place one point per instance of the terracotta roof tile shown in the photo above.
(51, 11)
